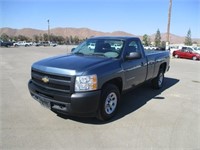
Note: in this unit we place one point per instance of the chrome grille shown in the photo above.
(55, 82)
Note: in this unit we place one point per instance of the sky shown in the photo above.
(137, 17)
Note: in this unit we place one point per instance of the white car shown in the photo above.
(91, 46)
(197, 50)
(53, 44)
(190, 48)
(117, 46)
(150, 47)
(23, 43)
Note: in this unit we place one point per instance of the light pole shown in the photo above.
(48, 29)
(168, 24)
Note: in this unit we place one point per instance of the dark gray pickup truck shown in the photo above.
(89, 81)
(5, 44)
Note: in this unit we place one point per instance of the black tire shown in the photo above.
(157, 82)
(109, 103)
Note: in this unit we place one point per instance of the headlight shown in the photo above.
(86, 83)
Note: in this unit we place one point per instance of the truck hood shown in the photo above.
(70, 64)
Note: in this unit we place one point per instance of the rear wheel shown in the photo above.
(157, 82)
(194, 58)
(109, 102)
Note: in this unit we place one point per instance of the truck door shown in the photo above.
(135, 70)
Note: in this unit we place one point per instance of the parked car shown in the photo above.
(190, 48)
(188, 54)
(197, 49)
(150, 47)
(53, 44)
(91, 46)
(6, 44)
(38, 44)
(116, 46)
(89, 82)
(45, 43)
(23, 43)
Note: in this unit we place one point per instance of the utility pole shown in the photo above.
(169, 21)
(48, 30)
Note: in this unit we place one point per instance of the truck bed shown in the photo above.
(149, 52)
(155, 59)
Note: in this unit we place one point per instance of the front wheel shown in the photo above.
(157, 82)
(109, 102)
(176, 56)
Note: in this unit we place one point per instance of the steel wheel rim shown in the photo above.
(160, 81)
(194, 58)
(110, 103)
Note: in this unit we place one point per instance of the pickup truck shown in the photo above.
(89, 82)
(23, 43)
(5, 44)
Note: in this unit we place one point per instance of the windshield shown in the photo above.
(110, 48)
(196, 48)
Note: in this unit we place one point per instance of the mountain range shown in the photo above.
(85, 33)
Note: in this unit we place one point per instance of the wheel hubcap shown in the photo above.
(110, 103)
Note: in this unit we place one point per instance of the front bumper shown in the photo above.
(83, 104)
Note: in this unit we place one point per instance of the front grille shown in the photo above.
(55, 82)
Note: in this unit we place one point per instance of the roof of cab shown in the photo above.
(115, 37)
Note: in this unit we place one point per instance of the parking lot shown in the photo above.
(147, 118)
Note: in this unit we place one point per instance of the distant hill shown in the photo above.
(80, 32)
(84, 33)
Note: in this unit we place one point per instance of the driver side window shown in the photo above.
(132, 47)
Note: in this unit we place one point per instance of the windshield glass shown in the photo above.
(110, 48)
(196, 48)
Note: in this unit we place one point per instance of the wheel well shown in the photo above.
(163, 66)
(115, 81)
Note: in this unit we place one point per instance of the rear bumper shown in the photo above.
(78, 104)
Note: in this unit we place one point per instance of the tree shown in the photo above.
(14, 38)
(45, 37)
(60, 40)
(40, 37)
(163, 44)
(5, 37)
(146, 40)
(23, 38)
(71, 40)
(67, 40)
(36, 38)
(188, 39)
(157, 39)
(76, 39)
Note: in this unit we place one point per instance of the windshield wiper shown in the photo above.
(98, 54)
(79, 53)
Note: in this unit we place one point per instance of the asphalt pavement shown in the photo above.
(166, 119)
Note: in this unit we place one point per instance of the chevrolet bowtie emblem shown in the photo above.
(45, 79)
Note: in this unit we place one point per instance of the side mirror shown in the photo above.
(72, 49)
(133, 55)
